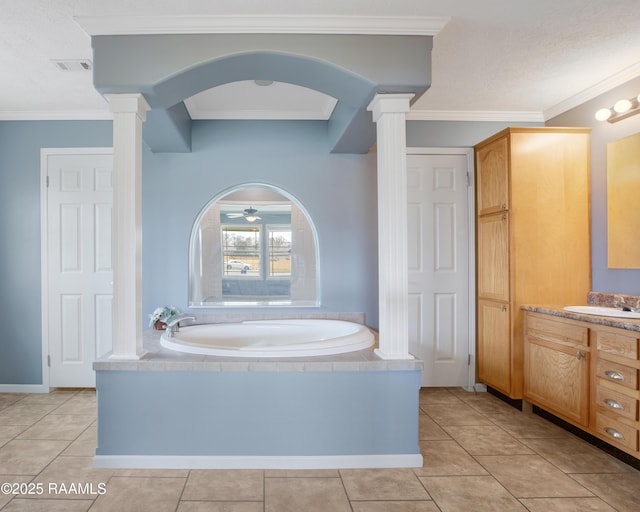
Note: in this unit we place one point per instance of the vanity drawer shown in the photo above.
(617, 433)
(617, 403)
(617, 343)
(618, 373)
(566, 332)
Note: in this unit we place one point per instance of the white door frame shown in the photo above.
(468, 152)
(44, 244)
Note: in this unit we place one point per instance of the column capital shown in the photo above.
(133, 103)
(389, 103)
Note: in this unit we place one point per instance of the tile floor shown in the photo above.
(480, 455)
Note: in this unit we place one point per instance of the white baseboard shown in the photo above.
(23, 388)
(257, 462)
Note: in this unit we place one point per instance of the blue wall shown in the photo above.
(20, 298)
(338, 191)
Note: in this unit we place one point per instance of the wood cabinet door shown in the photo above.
(494, 345)
(492, 174)
(493, 257)
(556, 377)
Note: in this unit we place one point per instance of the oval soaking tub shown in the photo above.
(271, 338)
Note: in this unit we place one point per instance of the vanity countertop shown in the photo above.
(621, 323)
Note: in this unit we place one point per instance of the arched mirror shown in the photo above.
(254, 245)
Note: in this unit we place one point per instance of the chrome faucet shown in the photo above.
(173, 324)
(620, 302)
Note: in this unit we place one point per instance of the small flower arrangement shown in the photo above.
(159, 317)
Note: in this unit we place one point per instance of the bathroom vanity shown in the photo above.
(585, 370)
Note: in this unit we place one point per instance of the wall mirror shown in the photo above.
(623, 204)
(254, 245)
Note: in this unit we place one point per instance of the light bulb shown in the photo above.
(622, 106)
(603, 114)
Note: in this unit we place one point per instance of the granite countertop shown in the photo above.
(621, 323)
(158, 358)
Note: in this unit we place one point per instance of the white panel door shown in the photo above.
(438, 238)
(80, 277)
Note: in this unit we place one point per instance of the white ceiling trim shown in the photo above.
(475, 115)
(588, 94)
(55, 115)
(266, 24)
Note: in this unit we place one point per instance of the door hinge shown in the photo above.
(468, 179)
(47, 181)
(469, 360)
(49, 361)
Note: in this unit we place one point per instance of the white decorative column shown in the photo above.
(389, 114)
(129, 112)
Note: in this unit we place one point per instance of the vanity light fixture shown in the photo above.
(621, 110)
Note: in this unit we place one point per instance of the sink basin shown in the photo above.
(602, 311)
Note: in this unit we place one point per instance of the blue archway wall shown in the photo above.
(167, 69)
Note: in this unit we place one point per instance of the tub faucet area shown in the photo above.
(173, 323)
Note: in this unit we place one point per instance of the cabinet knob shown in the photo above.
(614, 375)
(614, 404)
(614, 433)
(580, 355)
(503, 308)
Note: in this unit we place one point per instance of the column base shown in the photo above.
(386, 355)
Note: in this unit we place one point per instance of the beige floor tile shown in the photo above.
(446, 415)
(58, 426)
(438, 396)
(487, 440)
(18, 414)
(621, 491)
(81, 404)
(7, 399)
(573, 455)
(53, 398)
(140, 494)
(488, 404)
(221, 506)
(308, 494)
(73, 478)
(6, 497)
(221, 485)
(530, 476)
(24, 505)
(566, 505)
(382, 484)
(525, 426)
(85, 444)
(28, 457)
(470, 493)
(11, 431)
(443, 458)
(394, 506)
(429, 429)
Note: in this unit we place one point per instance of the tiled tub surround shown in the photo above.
(178, 410)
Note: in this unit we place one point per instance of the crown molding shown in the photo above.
(475, 115)
(267, 24)
(56, 115)
(592, 92)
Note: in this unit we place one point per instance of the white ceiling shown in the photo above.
(494, 59)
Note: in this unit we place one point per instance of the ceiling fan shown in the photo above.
(249, 214)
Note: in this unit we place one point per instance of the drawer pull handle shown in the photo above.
(579, 355)
(614, 433)
(614, 375)
(614, 404)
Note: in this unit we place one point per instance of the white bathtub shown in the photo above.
(271, 338)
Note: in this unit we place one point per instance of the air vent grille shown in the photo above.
(74, 64)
